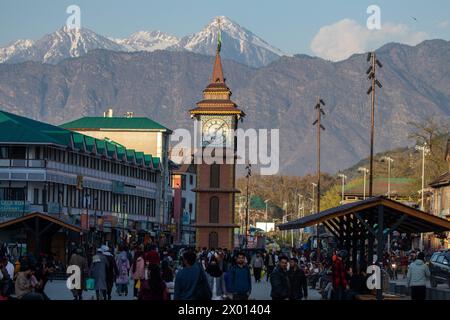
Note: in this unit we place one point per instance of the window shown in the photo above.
(183, 182)
(4, 154)
(190, 207)
(191, 180)
(213, 240)
(440, 259)
(36, 196)
(18, 152)
(215, 176)
(214, 210)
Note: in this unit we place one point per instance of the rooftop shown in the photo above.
(15, 129)
(98, 123)
(399, 186)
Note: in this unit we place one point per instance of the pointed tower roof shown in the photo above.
(216, 96)
(217, 75)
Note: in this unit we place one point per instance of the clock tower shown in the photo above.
(217, 117)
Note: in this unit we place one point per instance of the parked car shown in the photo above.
(440, 268)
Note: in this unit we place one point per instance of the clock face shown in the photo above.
(216, 132)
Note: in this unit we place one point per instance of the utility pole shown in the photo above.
(365, 171)
(371, 72)
(389, 160)
(320, 127)
(247, 230)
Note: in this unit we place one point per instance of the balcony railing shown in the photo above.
(23, 163)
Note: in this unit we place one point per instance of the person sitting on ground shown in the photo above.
(24, 286)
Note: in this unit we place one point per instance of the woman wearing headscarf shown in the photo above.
(216, 279)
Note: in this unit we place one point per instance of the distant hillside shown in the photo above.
(164, 85)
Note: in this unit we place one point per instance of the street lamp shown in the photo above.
(389, 160)
(365, 171)
(248, 175)
(266, 202)
(425, 150)
(343, 177)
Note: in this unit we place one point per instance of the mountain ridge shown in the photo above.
(239, 44)
(164, 85)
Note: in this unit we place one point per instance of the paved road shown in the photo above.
(57, 290)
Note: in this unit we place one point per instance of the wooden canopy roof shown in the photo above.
(397, 217)
(51, 222)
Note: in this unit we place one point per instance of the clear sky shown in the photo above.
(290, 25)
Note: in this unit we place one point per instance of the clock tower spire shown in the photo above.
(218, 117)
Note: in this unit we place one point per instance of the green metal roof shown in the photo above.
(90, 143)
(110, 148)
(16, 129)
(156, 162)
(101, 146)
(114, 123)
(130, 155)
(148, 160)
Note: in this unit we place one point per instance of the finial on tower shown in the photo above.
(219, 36)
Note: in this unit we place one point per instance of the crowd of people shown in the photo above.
(216, 274)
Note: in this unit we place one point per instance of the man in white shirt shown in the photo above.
(9, 267)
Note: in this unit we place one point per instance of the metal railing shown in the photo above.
(23, 163)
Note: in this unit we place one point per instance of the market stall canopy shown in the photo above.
(397, 216)
(45, 223)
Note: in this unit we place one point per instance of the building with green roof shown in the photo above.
(133, 133)
(56, 171)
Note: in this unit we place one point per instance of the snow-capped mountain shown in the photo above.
(147, 41)
(52, 48)
(238, 43)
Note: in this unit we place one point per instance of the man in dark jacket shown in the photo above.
(297, 281)
(269, 262)
(190, 282)
(241, 279)
(111, 270)
(279, 280)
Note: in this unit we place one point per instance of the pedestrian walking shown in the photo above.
(123, 274)
(416, 278)
(98, 272)
(339, 277)
(240, 278)
(80, 261)
(279, 280)
(216, 280)
(297, 281)
(111, 270)
(270, 262)
(137, 272)
(257, 264)
(154, 288)
(191, 282)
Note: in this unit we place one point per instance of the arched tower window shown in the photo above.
(214, 179)
(214, 210)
